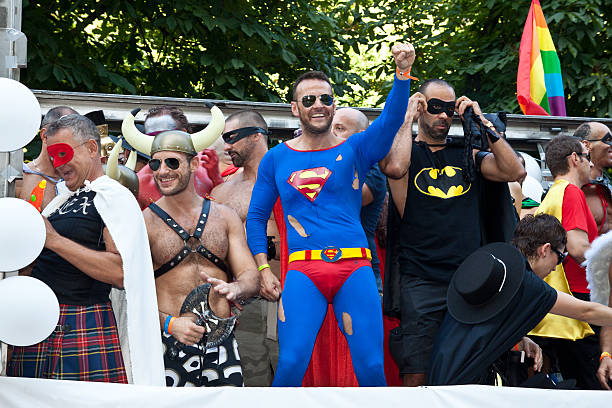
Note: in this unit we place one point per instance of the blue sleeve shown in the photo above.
(263, 198)
(373, 144)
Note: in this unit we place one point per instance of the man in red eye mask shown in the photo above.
(95, 240)
(206, 177)
(41, 169)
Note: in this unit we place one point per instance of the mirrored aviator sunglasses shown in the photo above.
(172, 162)
(309, 100)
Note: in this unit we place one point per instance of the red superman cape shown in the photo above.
(331, 364)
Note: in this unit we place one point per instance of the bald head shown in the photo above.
(591, 131)
(598, 141)
(348, 121)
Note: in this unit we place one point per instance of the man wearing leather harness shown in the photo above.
(194, 242)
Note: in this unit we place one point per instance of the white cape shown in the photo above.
(136, 310)
(598, 259)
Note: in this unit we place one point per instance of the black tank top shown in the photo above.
(78, 220)
(441, 223)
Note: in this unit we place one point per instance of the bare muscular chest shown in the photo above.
(166, 243)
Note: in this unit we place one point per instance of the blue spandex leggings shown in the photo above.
(304, 311)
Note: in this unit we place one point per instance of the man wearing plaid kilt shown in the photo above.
(81, 261)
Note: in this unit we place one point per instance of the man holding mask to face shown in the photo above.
(440, 212)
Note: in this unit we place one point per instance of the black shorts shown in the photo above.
(196, 367)
(423, 306)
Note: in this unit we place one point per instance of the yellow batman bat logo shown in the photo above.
(442, 183)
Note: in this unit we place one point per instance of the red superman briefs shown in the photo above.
(329, 277)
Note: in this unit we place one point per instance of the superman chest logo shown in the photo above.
(442, 183)
(310, 181)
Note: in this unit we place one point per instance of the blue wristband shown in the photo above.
(166, 323)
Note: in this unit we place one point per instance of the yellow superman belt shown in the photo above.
(330, 254)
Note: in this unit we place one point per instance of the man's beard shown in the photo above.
(239, 159)
(307, 126)
(433, 133)
(182, 183)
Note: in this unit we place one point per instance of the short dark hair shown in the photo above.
(423, 87)
(583, 131)
(309, 75)
(557, 152)
(177, 114)
(83, 128)
(534, 231)
(55, 113)
(248, 117)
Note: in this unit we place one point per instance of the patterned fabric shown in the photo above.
(85, 347)
(189, 366)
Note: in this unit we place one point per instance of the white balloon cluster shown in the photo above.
(29, 309)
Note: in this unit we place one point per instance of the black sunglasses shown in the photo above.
(309, 100)
(587, 155)
(235, 135)
(172, 163)
(607, 139)
(560, 255)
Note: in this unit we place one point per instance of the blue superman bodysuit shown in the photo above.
(320, 192)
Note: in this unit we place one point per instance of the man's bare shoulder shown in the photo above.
(220, 192)
(225, 212)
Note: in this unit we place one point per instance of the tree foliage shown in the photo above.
(253, 50)
(474, 44)
(223, 49)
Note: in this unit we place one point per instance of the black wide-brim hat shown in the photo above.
(485, 283)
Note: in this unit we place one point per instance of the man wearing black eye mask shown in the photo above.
(440, 218)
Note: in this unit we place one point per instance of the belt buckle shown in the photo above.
(331, 254)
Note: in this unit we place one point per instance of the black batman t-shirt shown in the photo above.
(441, 223)
(78, 220)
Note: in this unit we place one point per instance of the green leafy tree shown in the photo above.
(475, 46)
(223, 49)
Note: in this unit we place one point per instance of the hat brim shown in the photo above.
(515, 272)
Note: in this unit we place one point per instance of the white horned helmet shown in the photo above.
(174, 140)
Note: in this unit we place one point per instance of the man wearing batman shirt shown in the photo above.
(441, 212)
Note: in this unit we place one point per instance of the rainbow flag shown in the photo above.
(539, 85)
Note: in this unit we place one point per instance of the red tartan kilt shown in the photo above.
(87, 349)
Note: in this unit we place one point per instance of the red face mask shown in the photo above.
(61, 153)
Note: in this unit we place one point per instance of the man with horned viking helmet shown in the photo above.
(206, 177)
(197, 245)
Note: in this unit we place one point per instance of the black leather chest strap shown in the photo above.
(181, 232)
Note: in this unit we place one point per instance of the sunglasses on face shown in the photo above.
(586, 155)
(607, 139)
(437, 106)
(235, 135)
(309, 100)
(560, 255)
(171, 162)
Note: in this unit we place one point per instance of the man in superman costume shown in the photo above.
(318, 178)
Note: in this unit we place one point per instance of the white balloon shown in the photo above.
(532, 189)
(19, 115)
(532, 167)
(22, 235)
(29, 311)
